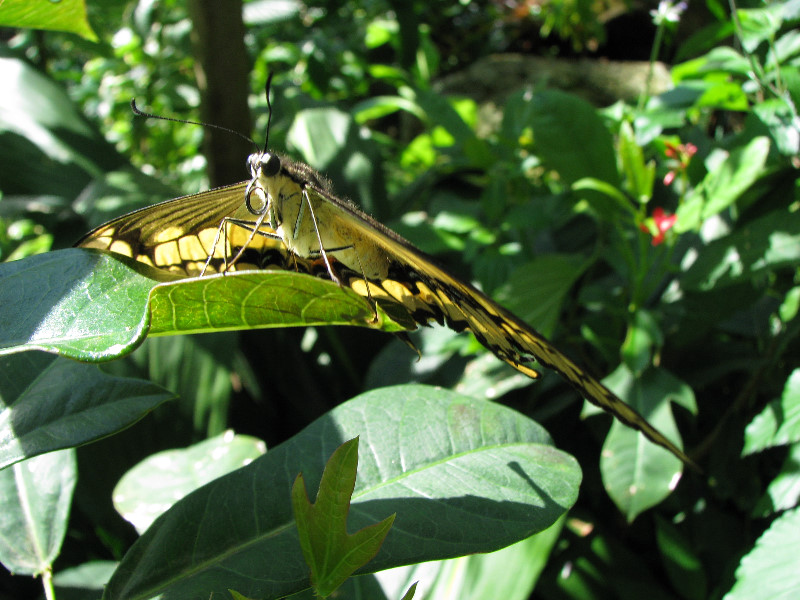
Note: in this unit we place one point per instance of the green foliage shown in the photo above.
(519, 485)
(332, 554)
(658, 244)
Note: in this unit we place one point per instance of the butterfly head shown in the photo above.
(263, 166)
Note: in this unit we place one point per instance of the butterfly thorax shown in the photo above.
(294, 205)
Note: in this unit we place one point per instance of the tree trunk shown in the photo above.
(222, 70)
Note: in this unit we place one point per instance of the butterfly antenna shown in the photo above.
(141, 113)
(269, 111)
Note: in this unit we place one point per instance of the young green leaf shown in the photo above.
(329, 550)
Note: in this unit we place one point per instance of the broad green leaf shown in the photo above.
(331, 553)
(759, 24)
(50, 403)
(722, 59)
(779, 423)
(536, 290)
(36, 495)
(88, 577)
(328, 140)
(778, 117)
(783, 492)
(463, 476)
(723, 184)
(772, 569)
(63, 15)
(478, 576)
(763, 245)
(636, 473)
(569, 135)
(250, 300)
(151, 487)
(41, 126)
(50, 302)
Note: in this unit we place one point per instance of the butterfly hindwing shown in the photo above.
(429, 292)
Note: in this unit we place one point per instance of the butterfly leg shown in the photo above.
(322, 250)
(252, 226)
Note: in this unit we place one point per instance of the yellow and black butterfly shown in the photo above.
(287, 217)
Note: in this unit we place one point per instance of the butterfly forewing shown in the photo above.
(189, 234)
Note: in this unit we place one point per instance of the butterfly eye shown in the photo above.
(270, 165)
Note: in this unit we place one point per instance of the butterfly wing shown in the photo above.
(429, 292)
(179, 235)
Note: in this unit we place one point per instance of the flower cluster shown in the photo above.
(680, 156)
(658, 225)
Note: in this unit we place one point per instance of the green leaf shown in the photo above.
(36, 495)
(63, 15)
(50, 403)
(783, 492)
(89, 578)
(251, 300)
(759, 24)
(333, 554)
(725, 182)
(636, 473)
(762, 245)
(779, 423)
(639, 176)
(642, 337)
(772, 569)
(151, 487)
(569, 135)
(536, 290)
(411, 591)
(463, 476)
(50, 302)
(684, 568)
(480, 576)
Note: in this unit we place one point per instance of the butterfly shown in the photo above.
(287, 217)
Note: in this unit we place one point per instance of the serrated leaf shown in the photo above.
(36, 496)
(151, 487)
(49, 403)
(772, 568)
(463, 476)
(332, 554)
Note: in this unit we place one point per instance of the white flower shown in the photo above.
(668, 12)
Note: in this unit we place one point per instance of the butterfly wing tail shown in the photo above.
(527, 342)
(516, 343)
